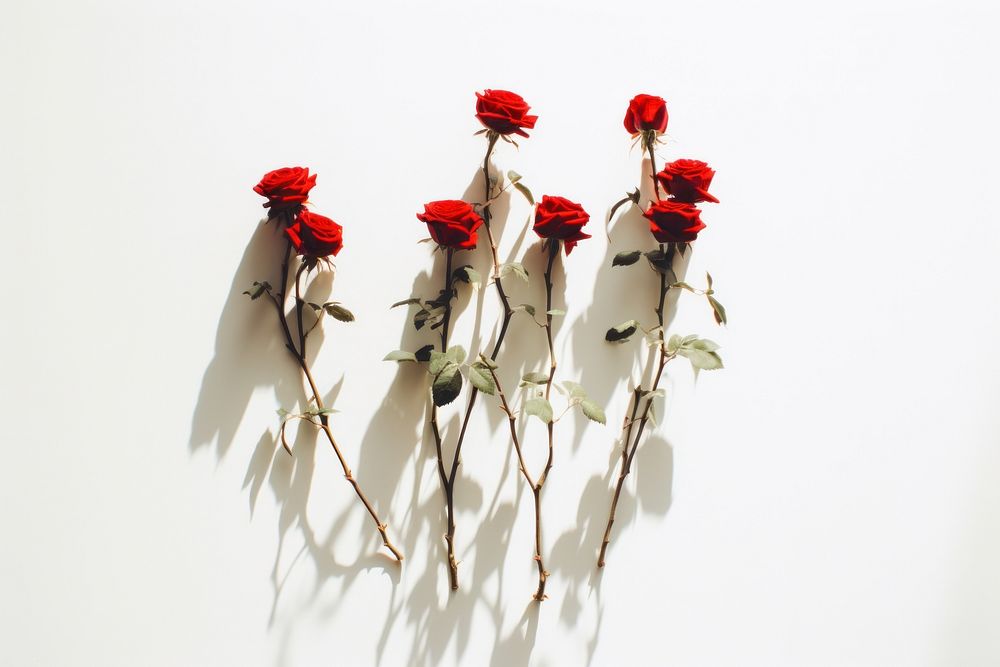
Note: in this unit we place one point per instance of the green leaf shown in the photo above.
(420, 318)
(339, 312)
(526, 307)
(479, 376)
(555, 312)
(626, 258)
(447, 385)
(517, 268)
(523, 189)
(438, 361)
(431, 317)
(684, 285)
(703, 344)
(258, 290)
(539, 407)
(593, 411)
(717, 310)
(424, 353)
(621, 332)
(673, 344)
(400, 355)
(708, 277)
(701, 352)
(534, 377)
(436, 318)
(662, 263)
(283, 412)
(706, 361)
(467, 274)
(405, 302)
(575, 390)
(486, 361)
(456, 353)
(513, 176)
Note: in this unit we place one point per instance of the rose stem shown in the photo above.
(637, 393)
(447, 482)
(512, 420)
(508, 312)
(300, 356)
(536, 487)
(650, 142)
(628, 452)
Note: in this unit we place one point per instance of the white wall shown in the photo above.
(830, 498)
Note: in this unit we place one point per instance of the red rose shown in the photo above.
(452, 223)
(315, 235)
(687, 181)
(674, 222)
(504, 112)
(646, 112)
(286, 188)
(559, 218)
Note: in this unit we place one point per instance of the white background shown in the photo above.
(830, 498)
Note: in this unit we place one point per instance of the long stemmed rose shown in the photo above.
(560, 222)
(313, 239)
(674, 222)
(453, 226)
(502, 113)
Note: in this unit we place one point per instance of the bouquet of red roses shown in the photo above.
(312, 240)
(674, 222)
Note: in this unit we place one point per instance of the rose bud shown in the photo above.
(560, 219)
(286, 189)
(315, 235)
(674, 222)
(687, 181)
(646, 112)
(452, 223)
(504, 112)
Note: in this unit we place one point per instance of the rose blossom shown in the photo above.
(452, 223)
(315, 235)
(559, 218)
(646, 112)
(674, 222)
(286, 189)
(687, 181)
(504, 112)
